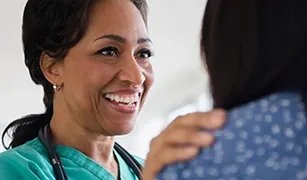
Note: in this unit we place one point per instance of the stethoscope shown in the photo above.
(44, 135)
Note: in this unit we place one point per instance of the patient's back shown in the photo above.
(265, 139)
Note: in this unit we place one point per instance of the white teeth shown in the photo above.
(123, 99)
(131, 100)
(128, 105)
(117, 98)
(126, 100)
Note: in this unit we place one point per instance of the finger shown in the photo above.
(204, 120)
(187, 136)
(176, 154)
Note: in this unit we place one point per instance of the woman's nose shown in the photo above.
(132, 72)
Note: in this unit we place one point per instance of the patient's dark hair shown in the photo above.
(253, 48)
(53, 27)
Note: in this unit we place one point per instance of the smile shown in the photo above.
(125, 103)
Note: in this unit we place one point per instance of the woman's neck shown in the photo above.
(96, 146)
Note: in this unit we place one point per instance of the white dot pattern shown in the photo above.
(263, 140)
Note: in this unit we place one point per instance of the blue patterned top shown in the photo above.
(262, 140)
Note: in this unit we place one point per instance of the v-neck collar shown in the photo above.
(85, 162)
(80, 159)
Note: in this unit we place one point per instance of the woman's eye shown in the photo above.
(109, 51)
(145, 54)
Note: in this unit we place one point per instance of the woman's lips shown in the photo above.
(123, 102)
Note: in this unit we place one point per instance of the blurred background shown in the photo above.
(181, 84)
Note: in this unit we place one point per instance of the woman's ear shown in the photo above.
(51, 69)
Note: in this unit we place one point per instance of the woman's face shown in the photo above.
(107, 75)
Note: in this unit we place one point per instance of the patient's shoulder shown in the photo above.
(263, 139)
(270, 105)
(272, 122)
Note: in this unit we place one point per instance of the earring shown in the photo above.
(56, 87)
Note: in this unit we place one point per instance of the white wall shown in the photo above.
(174, 27)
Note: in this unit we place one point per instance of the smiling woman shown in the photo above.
(93, 60)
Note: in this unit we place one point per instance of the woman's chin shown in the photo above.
(119, 129)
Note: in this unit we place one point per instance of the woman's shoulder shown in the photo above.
(271, 105)
(263, 139)
(272, 120)
(17, 153)
(28, 151)
(22, 161)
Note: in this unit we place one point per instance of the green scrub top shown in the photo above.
(30, 161)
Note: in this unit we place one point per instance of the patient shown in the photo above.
(256, 56)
